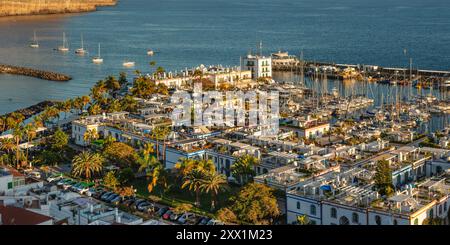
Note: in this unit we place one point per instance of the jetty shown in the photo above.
(30, 72)
(31, 110)
(374, 73)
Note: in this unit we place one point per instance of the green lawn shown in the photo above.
(176, 196)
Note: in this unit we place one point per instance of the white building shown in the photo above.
(260, 66)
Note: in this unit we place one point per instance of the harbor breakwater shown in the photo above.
(31, 110)
(46, 75)
(37, 7)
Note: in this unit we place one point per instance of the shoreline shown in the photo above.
(30, 72)
(15, 8)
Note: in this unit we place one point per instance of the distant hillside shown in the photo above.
(31, 7)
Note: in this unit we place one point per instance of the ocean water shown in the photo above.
(187, 33)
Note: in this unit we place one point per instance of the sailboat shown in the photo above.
(128, 63)
(98, 59)
(34, 43)
(81, 51)
(64, 47)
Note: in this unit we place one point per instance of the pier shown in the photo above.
(401, 76)
(45, 75)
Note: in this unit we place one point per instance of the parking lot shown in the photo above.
(142, 207)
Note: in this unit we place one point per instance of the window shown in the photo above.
(313, 209)
(445, 207)
(395, 222)
(378, 220)
(333, 213)
(431, 213)
(298, 205)
(416, 221)
(355, 218)
(312, 222)
(440, 209)
(10, 185)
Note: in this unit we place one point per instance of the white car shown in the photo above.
(35, 174)
(54, 177)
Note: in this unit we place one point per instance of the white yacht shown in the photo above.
(150, 52)
(64, 47)
(81, 51)
(128, 63)
(98, 59)
(34, 43)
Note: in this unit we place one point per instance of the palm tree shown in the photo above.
(185, 166)
(206, 166)
(148, 149)
(18, 133)
(90, 136)
(194, 181)
(147, 163)
(30, 133)
(94, 109)
(213, 183)
(160, 133)
(159, 176)
(244, 168)
(302, 220)
(7, 145)
(3, 123)
(87, 164)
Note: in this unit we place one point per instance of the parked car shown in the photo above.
(55, 177)
(167, 214)
(34, 174)
(98, 194)
(129, 202)
(116, 200)
(204, 221)
(62, 182)
(106, 195)
(83, 187)
(162, 211)
(174, 216)
(69, 184)
(215, 222)
(75, 186)
(111, 197)
(183, 219)
(137, 202)
(144, 206)
(93, 192)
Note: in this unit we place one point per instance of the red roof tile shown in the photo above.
(19, 216)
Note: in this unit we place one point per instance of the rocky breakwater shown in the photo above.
(46, 75)
(31, 111)
(35, 7)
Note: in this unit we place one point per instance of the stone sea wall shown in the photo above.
(35, 7)
(46, 75)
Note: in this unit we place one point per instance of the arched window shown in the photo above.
(431, 213)
(416, 221)
(298, 205)
(440, 209)
(333, 213)
(445, 207)
(313, 209)
(355, 218)
(395, 222)
(378, 220)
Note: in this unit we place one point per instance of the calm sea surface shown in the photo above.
(186, 33)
